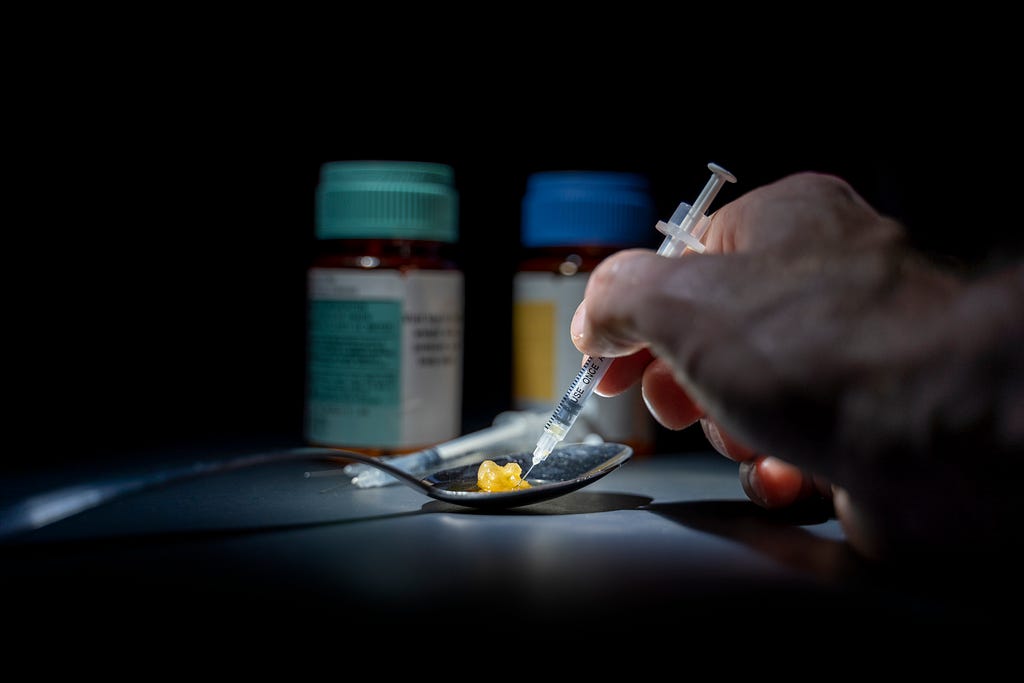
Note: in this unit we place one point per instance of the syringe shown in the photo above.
(682, 231)
(509, 429)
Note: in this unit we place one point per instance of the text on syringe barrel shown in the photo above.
(569, 407)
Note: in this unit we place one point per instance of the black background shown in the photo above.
(161, 166)
(160, 300)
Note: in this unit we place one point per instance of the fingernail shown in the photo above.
(579, 319)
(713, 435)
(650, 408)
(751, 481)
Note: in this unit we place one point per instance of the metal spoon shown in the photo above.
(570, 467)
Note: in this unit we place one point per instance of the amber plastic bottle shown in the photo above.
(385, 309)
(571, 221)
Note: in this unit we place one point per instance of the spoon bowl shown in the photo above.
(567, 469)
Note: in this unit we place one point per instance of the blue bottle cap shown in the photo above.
(596, 208)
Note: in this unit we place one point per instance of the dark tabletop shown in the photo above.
(665, 541)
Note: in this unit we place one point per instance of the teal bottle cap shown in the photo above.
(387, 199)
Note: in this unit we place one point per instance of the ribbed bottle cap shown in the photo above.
(563, 208)
(386, 199)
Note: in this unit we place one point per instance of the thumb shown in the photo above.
(597, 341)
(620, 311)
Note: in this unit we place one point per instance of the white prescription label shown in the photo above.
(384, 365)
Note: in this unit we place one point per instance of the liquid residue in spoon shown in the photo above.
(493, 478)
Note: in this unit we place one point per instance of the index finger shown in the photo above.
(797, 210)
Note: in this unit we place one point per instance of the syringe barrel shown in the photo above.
(414, 463)
(571, 403)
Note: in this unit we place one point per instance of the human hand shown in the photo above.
(810, 344)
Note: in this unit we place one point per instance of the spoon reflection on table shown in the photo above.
(567, 469)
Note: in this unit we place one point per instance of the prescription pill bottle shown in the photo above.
(571, 221)
(385, 308)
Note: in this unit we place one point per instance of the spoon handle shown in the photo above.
(46, 508)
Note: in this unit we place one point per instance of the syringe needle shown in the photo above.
(523, 478)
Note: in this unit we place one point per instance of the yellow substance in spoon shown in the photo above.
(491, 477)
